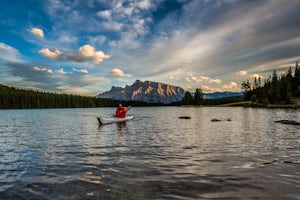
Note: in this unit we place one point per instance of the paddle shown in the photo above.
(128, 108)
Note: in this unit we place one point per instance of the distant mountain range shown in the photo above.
(153, 92)
(221, 95)
(147, 91)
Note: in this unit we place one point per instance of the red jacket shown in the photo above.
(121, 112)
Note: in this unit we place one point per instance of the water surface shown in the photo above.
(65, 154)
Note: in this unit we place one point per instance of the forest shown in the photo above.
(274, 89)
(15, 98)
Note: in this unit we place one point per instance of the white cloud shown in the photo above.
(231, 85)
(104, 14)
(55, 55)
(84, 71)
(241, 73)
(61, 71)
(9, 53)
(144, 4)
(119, 73)
(205, 79)
(88, 53)
(37, 32)
(218, 81)
(44, 69)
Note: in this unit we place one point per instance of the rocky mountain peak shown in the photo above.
(147, 91)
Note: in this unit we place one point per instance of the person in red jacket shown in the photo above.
(121, 111)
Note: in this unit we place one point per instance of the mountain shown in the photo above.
(147, 91)
(221, 95)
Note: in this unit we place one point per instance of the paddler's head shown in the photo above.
(120, 105)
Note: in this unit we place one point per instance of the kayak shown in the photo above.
(109, 120)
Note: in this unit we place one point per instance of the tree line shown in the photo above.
(15, 98)
(275, 89)
(197, 99)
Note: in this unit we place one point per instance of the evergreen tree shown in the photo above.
(246, 88)
(296, 81)
(198, 97)
(187, 99)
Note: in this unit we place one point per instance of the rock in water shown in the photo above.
(291, 122)
(184, 117)
(215, 120)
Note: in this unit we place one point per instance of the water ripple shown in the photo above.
(64, 154)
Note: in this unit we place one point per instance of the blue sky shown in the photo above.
(85, 47)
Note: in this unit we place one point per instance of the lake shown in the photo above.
(65, 154)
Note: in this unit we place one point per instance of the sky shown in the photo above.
(85, 47)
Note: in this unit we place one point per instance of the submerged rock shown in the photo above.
(184, 117)
(291, 122)
(218, 120)
(215, 120)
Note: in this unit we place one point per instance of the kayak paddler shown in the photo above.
(121, 111)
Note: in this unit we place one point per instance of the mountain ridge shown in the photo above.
(147, 91)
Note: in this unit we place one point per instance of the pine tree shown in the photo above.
(198, 97)
(187, 99)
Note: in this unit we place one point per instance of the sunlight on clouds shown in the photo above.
(205, 79)
(119, 73)
(75, 90)
(88, 52)
(61, 71)
(241, 73)
(55, 55)
(231, 87)
(44, 69)
(37, 32)
(85, 53)
(84, 71)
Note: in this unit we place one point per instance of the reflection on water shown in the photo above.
(65, 154)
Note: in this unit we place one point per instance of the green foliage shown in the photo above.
(14, 98)
(275, 89)
(187, 99)
(198, 97)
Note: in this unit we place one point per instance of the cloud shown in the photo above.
(104, 14)
(88, 53)
(54, 55)
(85, 53)
(230, 87)
(241, 73)
(84, 71)
(205, 79)
(22, 76)
(37, 32)
(74, 90)
(61, 71)
(176, 78)
(9, 53)
(119, 73)
(44, 69)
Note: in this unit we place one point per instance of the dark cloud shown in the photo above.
(38, 79)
